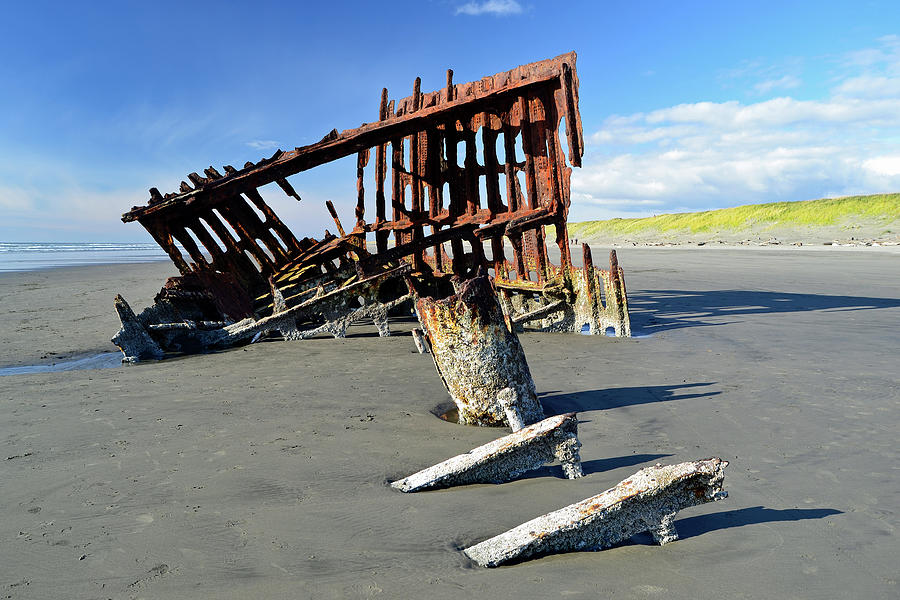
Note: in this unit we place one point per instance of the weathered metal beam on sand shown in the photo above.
(554, 438)
(133, 339)
(646, 501)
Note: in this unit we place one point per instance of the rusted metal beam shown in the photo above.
(351, 141)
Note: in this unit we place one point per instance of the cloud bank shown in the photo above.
(715, 154)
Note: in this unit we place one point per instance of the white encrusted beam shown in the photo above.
(646, 501)
(504, 459)
(133, 339)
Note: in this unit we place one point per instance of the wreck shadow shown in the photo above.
(598, 465)
(652, 311)
(754, 515)
(557, 404)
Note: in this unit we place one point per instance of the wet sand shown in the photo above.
(261, 471)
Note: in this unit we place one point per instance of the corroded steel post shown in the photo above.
(477, 356)
(646, 501)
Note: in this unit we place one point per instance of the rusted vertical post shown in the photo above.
(573, 129)
(381, 237)
(509, 168)
(513, 196)
(473, 201)
(536, 117)
(618, 288)
(556, 165)
(416, 175)
(416, 191)
(492, 184)
(491, 165)
(398, 185)
(591, 304)
(435, 193)
(452, 178)
(362, 158)
(525, 126)
(476, 355)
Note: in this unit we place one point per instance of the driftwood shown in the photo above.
(646, 501)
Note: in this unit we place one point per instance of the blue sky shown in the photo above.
(685, 105)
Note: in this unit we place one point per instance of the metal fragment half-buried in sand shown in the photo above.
(504, 459)
(646, 501)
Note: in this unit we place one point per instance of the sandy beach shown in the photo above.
(261, 472)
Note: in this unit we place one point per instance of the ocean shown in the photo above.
(31, 256)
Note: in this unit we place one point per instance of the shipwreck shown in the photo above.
(479, 179)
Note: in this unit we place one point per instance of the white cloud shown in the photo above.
(777, 112)
(756, 78)
(493, 7)
(887, 166)
(785, 82)
(15, 200)
(68, 213)
(887, 55)
(870, 86)
(703, 155)
(262, 144)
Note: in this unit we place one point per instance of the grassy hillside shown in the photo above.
(879, 211)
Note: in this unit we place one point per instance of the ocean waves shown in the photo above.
(31, 256)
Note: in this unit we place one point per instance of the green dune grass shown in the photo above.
(879, 208)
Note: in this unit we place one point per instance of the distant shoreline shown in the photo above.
(17, 257)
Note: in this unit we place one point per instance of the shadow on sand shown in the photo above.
(557, 404)
(660, 310)
(694, 526)
(754, 515)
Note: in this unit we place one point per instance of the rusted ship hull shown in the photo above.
(478, 173)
